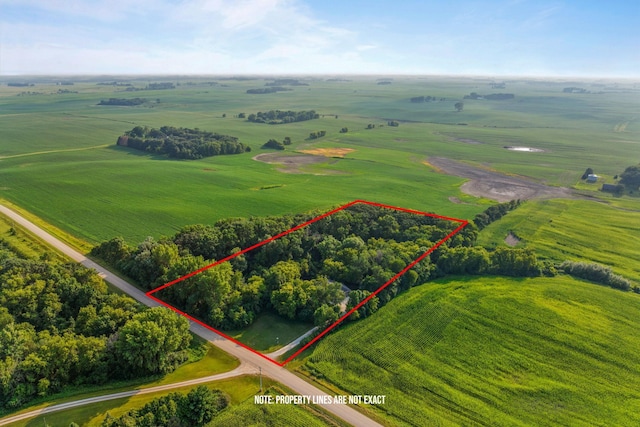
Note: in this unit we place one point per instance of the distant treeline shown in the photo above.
(420, 99)
(491, 96)
(18, 84)
(129, 102)
(113, 83)
(181, 143)
(276, 117)
(264, 90)
(286, 82)
(152, 86)
(574, 89)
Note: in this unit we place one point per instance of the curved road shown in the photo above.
(240, 370)
(245, 356)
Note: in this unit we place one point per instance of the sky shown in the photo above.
(582, 38)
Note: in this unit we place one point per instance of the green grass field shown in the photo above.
(462, 351)
(270, 332)
(494, 351)
(58, 160)
(577, 230)
(250, 414)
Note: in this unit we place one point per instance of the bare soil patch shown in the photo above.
(292, 163)
(495, 185)
(328, 152)
(511, 240)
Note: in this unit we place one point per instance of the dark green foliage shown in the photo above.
(586, 173)
(317, 134)
(393, 123)
(344, 130)
(459, 106)
(630, 178)
(60, 327)
(494, 213)
(421, 99)
(129, 102)
(272, 89)
(297, 276)
(491, 96)
(181, 143)
(290, 82)
(595, 273)
(194, 409)
(152, 342)
(160, 86)
(272, 143)
(276, 117)
(503, 261)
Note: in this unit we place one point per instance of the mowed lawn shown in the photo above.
(576, 230)
(270, 332)
(494, 351)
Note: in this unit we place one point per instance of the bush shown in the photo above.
(596, 273)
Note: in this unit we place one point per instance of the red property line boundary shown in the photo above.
(463, 223)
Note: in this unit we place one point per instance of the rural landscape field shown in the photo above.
(529, 317)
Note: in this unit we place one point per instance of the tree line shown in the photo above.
(300, 275)
(194, 409)
(181, 143)
(297, 276)
(491, 96)
(59, 327)
(275, 117)
(128, 102)
(428, 98)
(264, 90)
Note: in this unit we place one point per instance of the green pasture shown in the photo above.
(270, 332)
(58, 159)
(494, 351)
(576, 230)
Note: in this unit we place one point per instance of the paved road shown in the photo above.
(241, 370)
(291, 345)
(245, 356)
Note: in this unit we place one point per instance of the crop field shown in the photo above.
(576, 230)
(464, 350)
(58, 158)
(494, 351)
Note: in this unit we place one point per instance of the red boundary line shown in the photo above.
(463, 223)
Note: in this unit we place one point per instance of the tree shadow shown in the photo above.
(138, 153)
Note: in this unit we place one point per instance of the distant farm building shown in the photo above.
(612, 188)
(592, 178)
